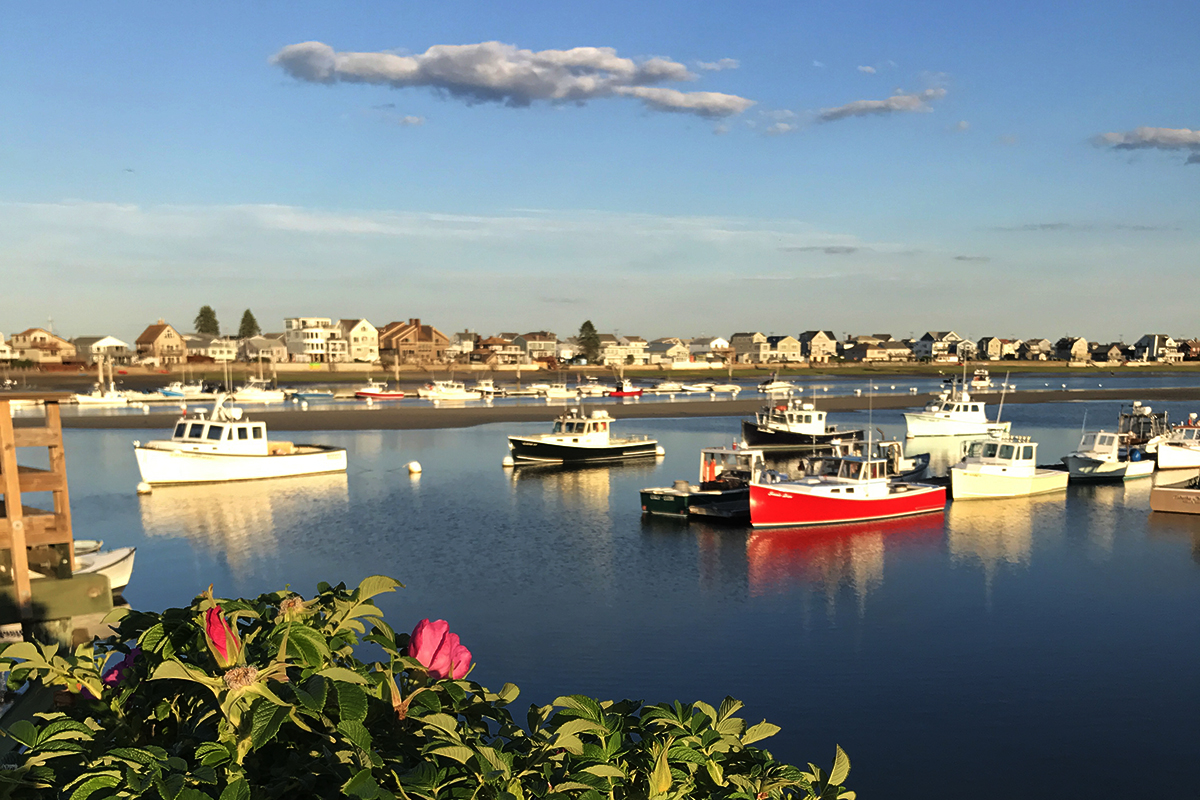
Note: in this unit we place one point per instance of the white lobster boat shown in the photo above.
(1101, 457)
(1180, 449)
(954, 413)
(446, 390)
(1003, 467)
(223, 446)
(258, 390)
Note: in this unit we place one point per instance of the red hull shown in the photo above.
(637, 393)
(775, 505)
(379, 395)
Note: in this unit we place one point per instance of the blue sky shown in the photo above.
(1004, 169)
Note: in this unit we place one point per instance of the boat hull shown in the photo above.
(930, 425)
(162, 467)
(1083, 469)
(676, 503)
(369, 395)
(782, 506)
(634, 393)
(1176, 498)
(755, 435)
(533, 451)
(973, 485)
(1173, 456)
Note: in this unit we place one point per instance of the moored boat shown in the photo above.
(954, 413)
(377, 390)
(1180, 449)
(1176, 498)
(723, 489)
(624, 388)
(1101, 456)
(446, 390)
(1003, 467)
(116, 565)
(792, 424)
(257, 390)
(860, 490)
(577, 439)
(224, 446)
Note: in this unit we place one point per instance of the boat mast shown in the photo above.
(1004, 389)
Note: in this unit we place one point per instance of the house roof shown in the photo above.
(152, 332)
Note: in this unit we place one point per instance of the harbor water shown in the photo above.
(1041, 647)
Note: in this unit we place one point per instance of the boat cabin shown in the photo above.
(793, 417)
(1099, 444)
(235, 436)
(1011, 452)
(957, 405)
(722, 464)
(574, 428)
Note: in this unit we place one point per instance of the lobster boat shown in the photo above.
(579, 439)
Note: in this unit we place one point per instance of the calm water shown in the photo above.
(1027, 648)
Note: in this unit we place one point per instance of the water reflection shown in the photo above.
(241, 520)
(587, 488)
(831, 557)
(1162, 525)
(992, 533)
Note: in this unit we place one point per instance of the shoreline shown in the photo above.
(400, 417)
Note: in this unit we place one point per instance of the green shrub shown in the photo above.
(265, 698)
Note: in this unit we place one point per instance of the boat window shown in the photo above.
(215, 432)
(989, 449)
(1106, 441)
(1189, 434)
(196, 431)
(974, 407)
(243, 433)
(558, 427)
(808, 417)
(258, 431)
(820, 417)
(1027, 453)
(1089, 442)
(603, 426)
(180, 430)
(877, 470)
(1006, 451)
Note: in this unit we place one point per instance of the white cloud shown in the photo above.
(918, 102)
(503, 73)
(717, 66)
(779, 128)
(819, 64)
(962, 125)
(1145, 138)
(867, 70)
(410, 121)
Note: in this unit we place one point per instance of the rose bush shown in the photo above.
(268, 698)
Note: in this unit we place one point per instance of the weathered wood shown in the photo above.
(34, 437)
(10, 483)
(58, 465)
(33, 479)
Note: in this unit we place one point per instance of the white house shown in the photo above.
(216, 348)
(90, 348)
(362, 340)
(6, 352)
(818, 345)
(708, 348)
(669, 352)
(269, 348)
(1156, 347)
(938, 346)
(315, 339)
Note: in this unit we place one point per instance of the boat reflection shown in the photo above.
(1165, 526)
(242, 520)
(830, 557)
(944, 451)
(585, 486)
(996, 532)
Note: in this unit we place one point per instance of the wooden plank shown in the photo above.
(58, 465)
(52, 397)
(33, 479)
(10, 483)
(34, 437)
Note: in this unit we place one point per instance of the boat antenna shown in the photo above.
(1003, 389)
(1083, 426)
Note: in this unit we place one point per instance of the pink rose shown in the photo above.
(438, 650)
(223, 640)
(116, 674)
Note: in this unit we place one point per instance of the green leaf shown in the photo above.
(841, 767)
(267, 719)
(352, 702)
(173, 669)
(495, 759)
(457, 752)
(135, 754)
(605, 771)
(660, 778)
(356, 733)
(362, 785)
(24, 732)
(212, 754)
(568, 742)
(170, 787)
(341, 674)
(760, 731)
(306, 644)
(377, 584)
(577, 726)
(313, 693)
(585, 705)
(238, 789)
(508, 692)
(90, 786)
(715, 772)
(152, 639)
(706, 709)
(728, 706)
(25, 651)
(680, 753)
(443, 721)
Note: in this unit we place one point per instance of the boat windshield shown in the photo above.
(180, 430)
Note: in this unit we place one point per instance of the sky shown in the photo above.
(1010, 169)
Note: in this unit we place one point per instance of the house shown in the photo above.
(1071, 348)
(269, 348)
(866, 351)
(623, 349)
(1035, 349)
(202, 346)
(537, 346)
(818, 345)
(1190, 349)
(964, 350)
(6, 351)
(1107, 352)
(990, 348)
(749, 347)
(412, 343)
(567, 351)
(709, 348)
(784, 348)
(89, 349)
(362, 340)
(896, 350)
(668, 352)
(162, 344)
(938, 346)
(41, 347)
(461, 346)
(315, 340)
(1156, 347)
(498, 350)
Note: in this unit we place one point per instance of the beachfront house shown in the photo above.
(818, 345)
(269, 348)
(1071, 348)
(315, 340)
(161, 344)
(204, 347)
(41, 347)
(538, 346)
(938, 346)
(89, 349)
(362, 340)
(1157, 347)
(749, 347)
(784, 349)
(709, 348)
(412, 343)
(6, 351)
(668, 352)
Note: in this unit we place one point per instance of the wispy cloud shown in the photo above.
(1081, 227)
(980, 259)
(503, 73)
(780, 128)
(867, 70)
(962, 125)
(829, 250)
(717, 66)
(897, 103)
(1145, 138)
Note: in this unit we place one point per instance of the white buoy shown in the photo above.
(508, 461)
(143, 488)
(370, 402)
(414, 468)
(659, 451)
(304, 405)
(145, 408)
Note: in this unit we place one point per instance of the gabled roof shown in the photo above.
(152, 332)
(808, 336)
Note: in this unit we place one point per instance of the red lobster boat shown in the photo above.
(624, 389)
(861, 490)
(375, 390)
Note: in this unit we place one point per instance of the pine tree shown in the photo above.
(206, 322)
(249, 326)
(589, 342)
